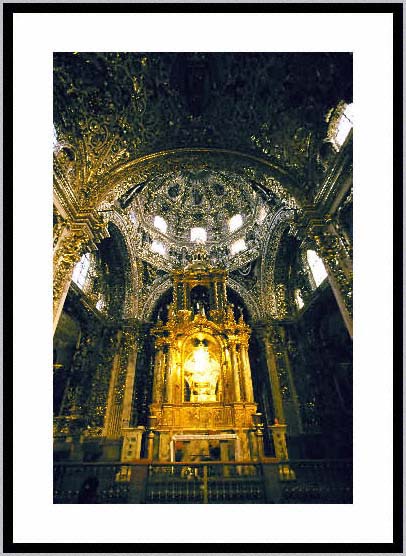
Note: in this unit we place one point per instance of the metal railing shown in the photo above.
(315, 482)
(290, 482)
(89, 483)
(209, 483)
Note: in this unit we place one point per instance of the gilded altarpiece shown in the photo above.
(202, 389)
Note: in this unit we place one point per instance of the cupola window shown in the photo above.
(158, 247)
(235, 222)
(160, 224)
(198, 235)
(238, 246)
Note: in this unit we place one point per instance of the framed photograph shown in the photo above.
(222, 195)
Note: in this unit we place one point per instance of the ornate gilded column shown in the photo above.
(224, 296)
(246, 371)
(268, 337)
(234, 363)
(157, 395)
(170, 373)
(74, 240)
(121, 363)
(175, 295)
(337, 258)
(185, 296)
(225, 375)
(111, 411)
(59, 227)
(75, 410)
(291, 401)
(70, 247)
(133, 332)
(98, 401)
(175, 376)
(216, 297)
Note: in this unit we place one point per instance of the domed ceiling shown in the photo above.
(206, 200)
(175, 212)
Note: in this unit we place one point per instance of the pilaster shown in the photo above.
(76, 238)
(337, 257)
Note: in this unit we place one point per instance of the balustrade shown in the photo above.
(292, 482)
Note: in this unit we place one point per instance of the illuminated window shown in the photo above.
(161, 224)
(238, 246)
(81, 270)
(235, 222)
(298, 299)
(344, 125)
(158, 247)
(133, 217)
(199, 235)
(101, 304)
(55, 142)
(317, 267)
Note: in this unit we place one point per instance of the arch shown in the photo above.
(119, 174)
(280, 222)
(154, 298)
(156, 294)
(131, 302)
(247, 297)
(115, 263)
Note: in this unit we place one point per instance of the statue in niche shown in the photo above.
(202, 372)
(200, 299)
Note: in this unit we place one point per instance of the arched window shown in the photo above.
(317, 267)
(81, 271)
(344, 125)
(341, 121)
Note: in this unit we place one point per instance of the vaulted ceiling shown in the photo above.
(270, 105)
(198, 137)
